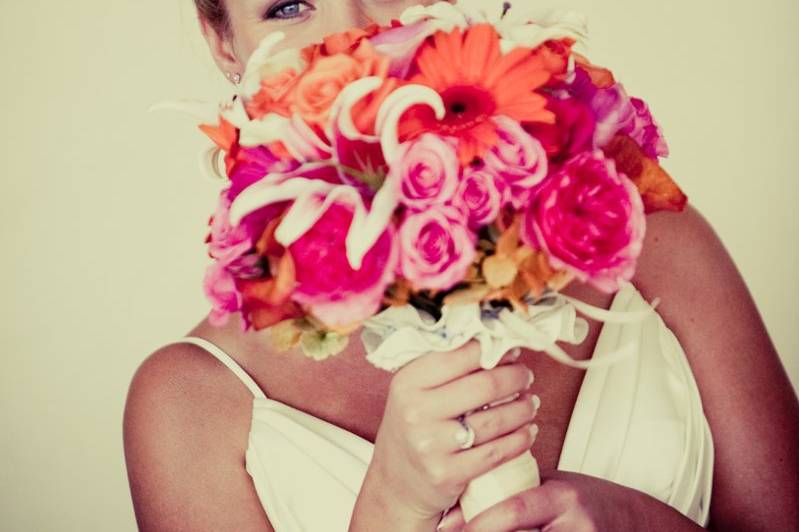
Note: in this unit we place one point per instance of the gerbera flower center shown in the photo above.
(466, 107)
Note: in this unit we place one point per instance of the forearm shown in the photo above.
(657, 516)
(375, 510)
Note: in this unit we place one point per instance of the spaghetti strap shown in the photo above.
(228, 361)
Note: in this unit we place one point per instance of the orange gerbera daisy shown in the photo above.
(476, 82)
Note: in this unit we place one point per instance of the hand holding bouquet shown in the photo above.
(432, 181)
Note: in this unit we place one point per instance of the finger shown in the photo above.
(479, 388)
(532, 508)
(437, 368)
(487, 424)
(453, 521)
(473, 462)
(503, 419)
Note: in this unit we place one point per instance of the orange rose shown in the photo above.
(339, 43)
(316, 90)
(274, 95)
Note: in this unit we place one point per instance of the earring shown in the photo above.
(234, 77)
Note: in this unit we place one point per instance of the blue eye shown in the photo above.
(288, 10)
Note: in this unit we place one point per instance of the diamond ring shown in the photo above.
(465, 438)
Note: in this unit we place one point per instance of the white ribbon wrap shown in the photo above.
(401, 334)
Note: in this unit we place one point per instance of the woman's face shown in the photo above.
(303, 21)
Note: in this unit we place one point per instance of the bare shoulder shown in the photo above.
(185, 426)
(748, 398)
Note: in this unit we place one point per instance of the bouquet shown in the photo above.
(435, 180)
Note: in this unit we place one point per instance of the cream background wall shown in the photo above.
(104, 208)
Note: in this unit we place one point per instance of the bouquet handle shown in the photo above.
(504, 481)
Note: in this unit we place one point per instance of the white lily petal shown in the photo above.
(302, 141)
(395, 105)
(264, 63)
(266, 192)
(342, 107)
(307, 210)
(205, 111)
(234, 112)
(270, 128)
(366, 228)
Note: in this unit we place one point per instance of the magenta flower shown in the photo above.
(327, 286)
(436, 248)
(589, 219)
(480, 197)
(614, 112)
(518, 159)
(427, 170)
(646, 132)
(572, 132)
(252, 164)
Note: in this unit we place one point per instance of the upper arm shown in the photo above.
(185, 431)
(748, 398)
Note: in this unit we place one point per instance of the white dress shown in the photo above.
(639, 423)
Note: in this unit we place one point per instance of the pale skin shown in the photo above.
(187, 416)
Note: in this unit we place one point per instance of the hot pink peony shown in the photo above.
(326, 284)
(518, 159)
(427, 170)
(571, 134)
(479, 197)
(589, 219)
(436, 248)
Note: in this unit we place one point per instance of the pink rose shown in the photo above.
(437, 248)
(233, 251)
(226, 242)
(427, 170)
(519, 159)
(479, 197)
(589, 219)
(326, 284)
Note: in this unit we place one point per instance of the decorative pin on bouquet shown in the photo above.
(429, 182)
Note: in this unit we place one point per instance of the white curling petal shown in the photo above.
(302, 142)
(264, 63)
(270, 128)
(307, 210)
(234, 112)
(205, 111)
(395, 105)
(265, 192)
(341, 111)
(366, 228)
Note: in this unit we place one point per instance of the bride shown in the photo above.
(339, 444)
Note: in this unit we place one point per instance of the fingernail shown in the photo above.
(443, 525)
(533, 431)
(515, 353)
(536, 402)
(530, 378)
